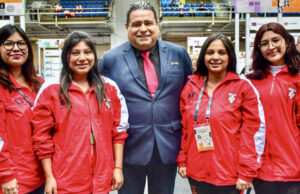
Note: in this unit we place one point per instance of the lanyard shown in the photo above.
(207, 115)
(27, 100)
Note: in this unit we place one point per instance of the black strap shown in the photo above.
(27, 100)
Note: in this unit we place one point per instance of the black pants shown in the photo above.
(206, 188)
(39, 190)
(278, 187)
(161, 177)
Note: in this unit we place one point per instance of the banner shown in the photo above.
(288, 5)
(266, 6)
(289, 23)
(12, 7)
(195, 41)
(11, 1)
(50, 43)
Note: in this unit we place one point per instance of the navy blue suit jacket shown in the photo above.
(150, 119)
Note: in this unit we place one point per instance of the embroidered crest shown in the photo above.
(231, 97)
(292, 92)
(191, 95)
(107, 102)
(19, 100)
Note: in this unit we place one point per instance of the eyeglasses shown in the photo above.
(9, 45)
(275, 42)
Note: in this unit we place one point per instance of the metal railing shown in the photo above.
(50, 15)
(190, 12)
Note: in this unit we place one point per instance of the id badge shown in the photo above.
(203, 137)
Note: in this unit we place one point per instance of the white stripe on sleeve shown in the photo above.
(260, 135)
(1, 143)
(124, 125)
(44, 86)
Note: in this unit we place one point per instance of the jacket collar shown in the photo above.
(284, 69)
(73, 86)
(160, 44)
(199, 80)
(17, 85)
(152, 50)
(130, 58)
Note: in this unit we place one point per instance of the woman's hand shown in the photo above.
(117, 179)
(50, 187)
(242, 185)
(10, 187)
(182, 172)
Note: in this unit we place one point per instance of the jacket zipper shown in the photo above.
(271, 117)
(92, 139)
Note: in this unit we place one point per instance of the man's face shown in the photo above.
(142, 29)
(298, 45)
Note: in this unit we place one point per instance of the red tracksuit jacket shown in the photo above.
(65, 137)
(15, 117)
(237, 128)
(7, 167)
(280, 96)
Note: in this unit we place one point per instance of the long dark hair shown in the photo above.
(260, 65)
(27, 68)
(66, 73)
(201, 68)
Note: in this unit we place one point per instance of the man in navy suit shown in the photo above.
(155, 128)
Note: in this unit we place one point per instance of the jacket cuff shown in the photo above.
(120, 138)
(120, 141)
(44, 156)
(7, 178)
(248, 179)
(181, 164)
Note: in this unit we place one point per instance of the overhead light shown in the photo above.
(208, 30)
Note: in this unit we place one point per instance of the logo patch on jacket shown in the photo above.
(191, 95)
(292, 92)
(231, 97)
(107, 102)
(19, 100)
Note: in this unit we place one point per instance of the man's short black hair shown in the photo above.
(140, 5)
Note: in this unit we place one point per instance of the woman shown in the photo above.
(80, 124)
(79, 9)
(19, 85)
(276, 77)
(194, 62)
(221, 120)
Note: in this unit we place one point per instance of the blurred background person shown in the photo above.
(298, 45)
(58, 7)
(221, 117)
(79, 9)
(276, 76)
(194, 62)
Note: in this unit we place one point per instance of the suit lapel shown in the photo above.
(164, 61)
(133, 66)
